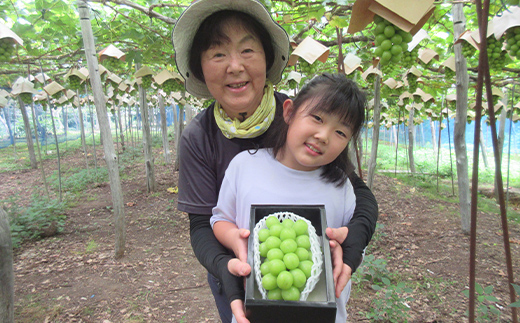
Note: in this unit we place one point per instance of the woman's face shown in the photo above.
(235, 72)
(313, 139)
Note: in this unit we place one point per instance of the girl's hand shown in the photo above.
(237, 307)
(240, 245)
(239, 266)
(341, 271)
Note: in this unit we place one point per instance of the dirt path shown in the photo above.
(73, 277)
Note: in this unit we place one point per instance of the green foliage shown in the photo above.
(372, 270)
(77, 180)
(486, 311)
(390, 304)
(42, 217)
(517, 289)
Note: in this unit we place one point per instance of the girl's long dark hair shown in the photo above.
(334, 94)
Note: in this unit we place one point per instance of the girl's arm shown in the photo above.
(230, 236)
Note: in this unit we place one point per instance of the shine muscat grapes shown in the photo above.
(7, 48)
(26, 98)
(412, 82)
(496, 56)
(146, 81)
(112, 63)
(468, 50)
(172, 85)
(391, 42)
(513, 41)
(74, 82)
(286, 258)
(306, 68)
(449, 73)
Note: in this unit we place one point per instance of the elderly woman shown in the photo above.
(233, 51)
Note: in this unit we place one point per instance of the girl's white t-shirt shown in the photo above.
(256, 177)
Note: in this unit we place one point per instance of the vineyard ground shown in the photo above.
(73, 277)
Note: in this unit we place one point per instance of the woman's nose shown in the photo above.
(236, 65)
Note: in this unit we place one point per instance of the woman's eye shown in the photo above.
(248, 50)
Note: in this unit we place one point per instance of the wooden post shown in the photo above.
(459, 133)
(375, 131)
(28, 134)
(164, 131)
(6, 271)
(151, 185)
(106, 134)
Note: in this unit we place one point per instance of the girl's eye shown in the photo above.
(341, 133)
(316, 117)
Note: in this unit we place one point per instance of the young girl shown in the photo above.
(307, 163)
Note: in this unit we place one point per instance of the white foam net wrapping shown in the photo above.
(317, 257)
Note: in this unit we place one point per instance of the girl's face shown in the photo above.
(313, 140)
(235, 72)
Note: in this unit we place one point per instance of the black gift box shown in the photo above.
(320, 305)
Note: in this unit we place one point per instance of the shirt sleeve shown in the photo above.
(226, 208)
(197, 178)
(214, 256)
(362, 225)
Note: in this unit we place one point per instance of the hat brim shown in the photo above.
(188, 24)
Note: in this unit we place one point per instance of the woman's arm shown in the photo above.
(362, 225)
(214, 256)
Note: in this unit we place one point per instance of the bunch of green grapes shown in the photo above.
(417, 99)
(495, 99)
(308, 69)
(286, 258)
(74, 82)
(406, 100)
(449, 73)
(56, 95)
(112, 63)
(7, 48)
(26, 98)
(427, 104)
(496, 56)
(146, 81)
(292, 84)
(452, 104)
(468, 50)
(513, 41)
(410, 57)
(412, 82)
(390, 41)
(370, 78)
(172, 85)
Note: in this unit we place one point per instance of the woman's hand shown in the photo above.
(341, 271)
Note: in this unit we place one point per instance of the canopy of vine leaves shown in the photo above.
(141, 29)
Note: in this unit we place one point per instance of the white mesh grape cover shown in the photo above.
(317, 257)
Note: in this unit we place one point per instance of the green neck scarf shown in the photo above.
(253, 126)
